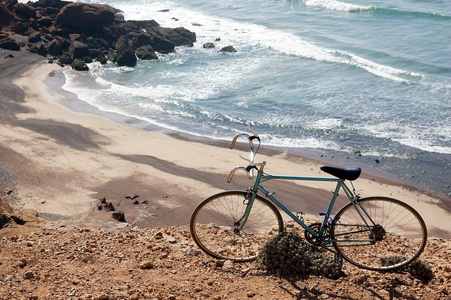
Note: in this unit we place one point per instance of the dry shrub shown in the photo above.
(288, 254)
(418, 268)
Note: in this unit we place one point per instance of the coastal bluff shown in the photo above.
(75, 33)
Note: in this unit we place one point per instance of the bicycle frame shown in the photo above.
(340, 185)
(257, 186)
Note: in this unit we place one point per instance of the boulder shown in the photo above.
(229, 49)
(24, 11)
(142, 39)
(83, 15)
(162, 45)
(34, 37)
(208, 45)
(178, 36)
(42, 50)
(79, 65)
(119, 216)
(65, 59)
(6, 17)
(125, 56)
(54, 47)
(146, 53)
(45, 21)
(78, 49)
(9, 44)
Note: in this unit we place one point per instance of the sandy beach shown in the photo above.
(61, 161)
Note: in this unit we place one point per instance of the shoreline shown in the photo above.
(73, 103)
(66, 159)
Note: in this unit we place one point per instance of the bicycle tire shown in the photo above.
(398, 237)
(214, 221)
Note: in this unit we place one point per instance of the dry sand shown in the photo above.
(63, 161)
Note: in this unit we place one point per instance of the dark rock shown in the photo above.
(105, 205)
(119, 216)
(125, 56)
(6, 17)
(162, 45)
(146, 53)
(33, 48)
(102, 60)
(179, 36)
(54, 47)
(83, 15)
(45, 22)
(229, 49)
(145, 25)
(132, 197)
(209, 45)
(24, 11)
(49, 5)
(78, 49)
(65, 59)
(20, 27)
(79, 65)
(142, 39)
(34, 37)
(9, 44)
(4, 219)
(42, 50)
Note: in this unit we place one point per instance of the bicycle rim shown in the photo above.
(216, 225)
(395, 236)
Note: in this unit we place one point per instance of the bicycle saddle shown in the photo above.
(351, 173)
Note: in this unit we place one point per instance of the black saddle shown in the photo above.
(351, 173)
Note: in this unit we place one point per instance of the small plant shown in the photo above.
(418, 268)
(287, 254)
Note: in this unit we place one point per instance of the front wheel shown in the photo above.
(379, 233)
(219, 228)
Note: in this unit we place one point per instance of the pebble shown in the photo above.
(29, 275)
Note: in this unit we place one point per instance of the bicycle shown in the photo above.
(234, 225)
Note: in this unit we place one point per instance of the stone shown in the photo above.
(9, 44)
(79, 65)
(125, 56)
(229, 49)
(146, 53)
(119, 216)
(29, 275)
(208, 45)
(83, 15)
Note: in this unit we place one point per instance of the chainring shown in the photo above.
(317, 241)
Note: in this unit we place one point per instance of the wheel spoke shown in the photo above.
(395, 230)
(217, 225)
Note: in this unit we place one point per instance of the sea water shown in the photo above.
(365, 81)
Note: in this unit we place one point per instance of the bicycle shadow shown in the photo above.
(299, 287)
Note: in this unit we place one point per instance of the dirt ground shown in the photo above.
(164, 263)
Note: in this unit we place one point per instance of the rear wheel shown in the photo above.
(216, 225)
(390, 235)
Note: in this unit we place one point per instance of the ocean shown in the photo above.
(361, 82)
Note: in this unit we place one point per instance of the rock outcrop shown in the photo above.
(69, 31)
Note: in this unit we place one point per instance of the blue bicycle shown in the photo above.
(376, 233)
